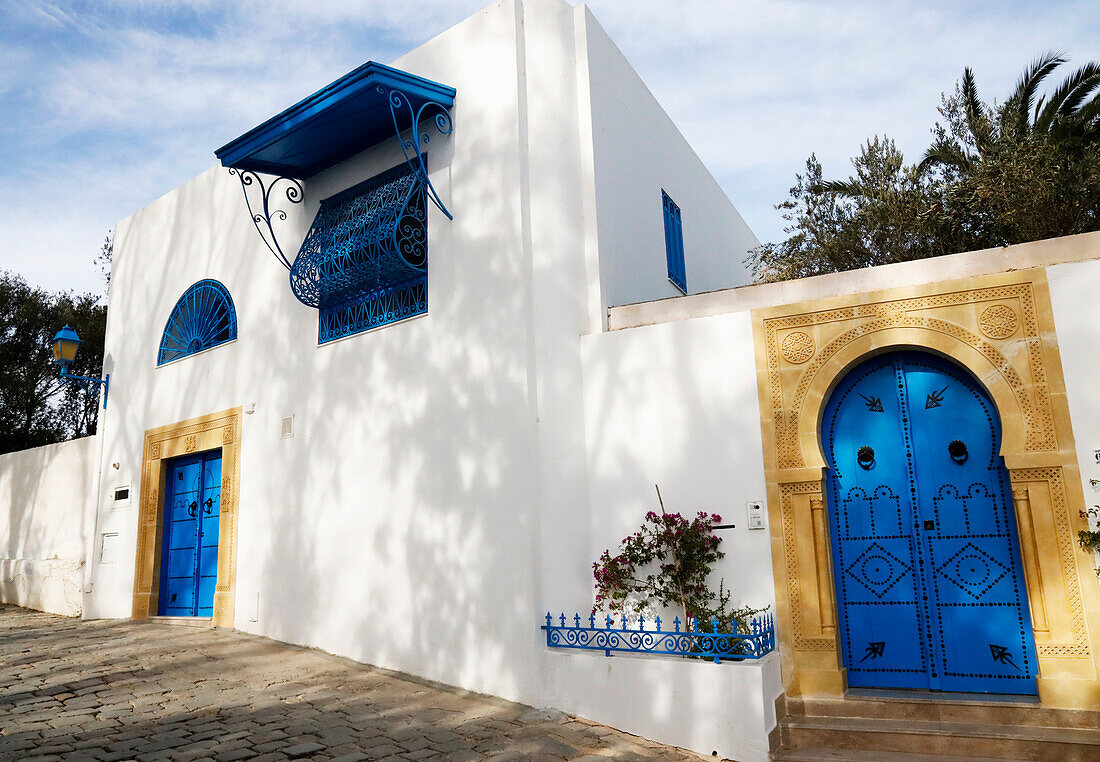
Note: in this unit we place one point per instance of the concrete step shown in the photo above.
(954, 739)
(855, 755)
(968, 711)
(185, 621)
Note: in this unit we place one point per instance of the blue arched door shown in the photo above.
(929, 586)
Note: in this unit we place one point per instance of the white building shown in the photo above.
(416, 445)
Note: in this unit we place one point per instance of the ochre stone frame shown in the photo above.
(1001, 328)
(209, 432)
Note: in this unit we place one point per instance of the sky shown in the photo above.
(106, 105)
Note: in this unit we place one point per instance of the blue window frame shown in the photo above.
(204, 317)
(674, 243)
(364, 262)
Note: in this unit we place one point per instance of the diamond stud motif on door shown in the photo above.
(878, 570)
(973, 570)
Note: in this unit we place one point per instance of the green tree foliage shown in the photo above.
(994, 175)
(36, 407)
(102, 260)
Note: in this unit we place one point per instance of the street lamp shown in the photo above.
(65, 343)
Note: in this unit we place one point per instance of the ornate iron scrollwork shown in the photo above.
(958, 452)
(410, 146)
(262, 212)
(866, 457)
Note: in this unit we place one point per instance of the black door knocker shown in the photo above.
(866, 457)
(209, 504)
(192, 510)
(957, 451)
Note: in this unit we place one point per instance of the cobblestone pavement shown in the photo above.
(119, 690)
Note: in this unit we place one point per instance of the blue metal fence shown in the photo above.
(753, 642)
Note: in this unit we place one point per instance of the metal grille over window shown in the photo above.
(363, 263)
(203, 317)
(674, 243)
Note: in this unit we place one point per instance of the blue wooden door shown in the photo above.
(926, 563)
(189, 558)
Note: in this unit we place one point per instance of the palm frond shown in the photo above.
(1088, 117)
(945, 153)
(1018, 105)
(846, 188)
(976, 118)
(1066, 99)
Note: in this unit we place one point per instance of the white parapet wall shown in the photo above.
(725, 709)
(46, 514)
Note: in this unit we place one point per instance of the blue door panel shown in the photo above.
(929, 585)
(874, 556)
(189, 560)
(208, 540)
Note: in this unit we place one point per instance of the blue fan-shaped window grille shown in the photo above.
(203, 317)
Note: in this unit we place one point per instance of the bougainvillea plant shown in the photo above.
(667, 563)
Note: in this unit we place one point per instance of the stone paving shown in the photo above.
(120, 690)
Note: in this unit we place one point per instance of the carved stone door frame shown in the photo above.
(1001, 328)
(209, 432)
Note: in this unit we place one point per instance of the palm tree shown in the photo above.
(1070, 114)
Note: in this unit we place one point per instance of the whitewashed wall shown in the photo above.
(47, 509)
(1073, 289)
(676, 405)
(433, 501)
(639, 152)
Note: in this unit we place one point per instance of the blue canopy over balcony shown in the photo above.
(338, 121)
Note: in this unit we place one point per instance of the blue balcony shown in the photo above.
(753, 641)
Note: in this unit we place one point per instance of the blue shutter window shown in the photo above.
(203, 317)
(674, 243)
(364, 262)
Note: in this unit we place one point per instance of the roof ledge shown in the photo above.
(359, 110)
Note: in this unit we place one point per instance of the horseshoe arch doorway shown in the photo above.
(926, 563)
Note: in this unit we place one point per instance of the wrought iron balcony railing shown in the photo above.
(751, 642)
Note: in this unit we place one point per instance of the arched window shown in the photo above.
(203, 317)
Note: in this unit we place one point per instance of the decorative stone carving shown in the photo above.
(798, 347)
(998, 321)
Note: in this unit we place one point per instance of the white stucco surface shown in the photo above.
(638, 152)
(726, 708)
(1073, 289)
(676, 405)
(46, 511)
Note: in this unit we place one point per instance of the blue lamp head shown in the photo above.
(65, 344)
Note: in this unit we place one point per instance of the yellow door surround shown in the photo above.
(1002, 329)
(209, 432)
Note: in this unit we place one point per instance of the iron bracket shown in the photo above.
(262, 212)
(88, 384)
(410, 146)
